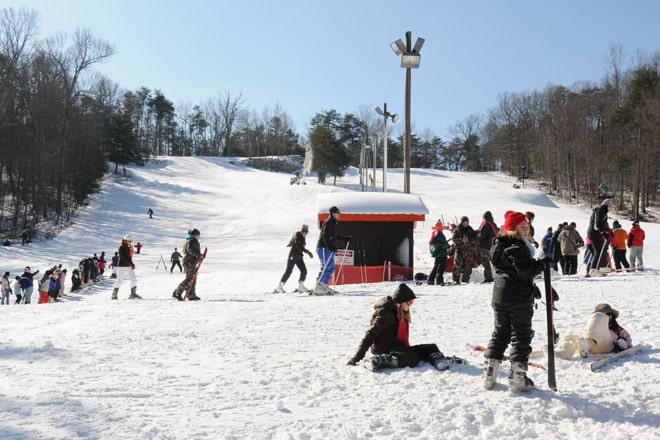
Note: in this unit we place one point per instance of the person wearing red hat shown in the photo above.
(438, 247)
(513, 302)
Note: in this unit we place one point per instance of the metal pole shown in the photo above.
(407, 137)
(385, 149)
(373, 184)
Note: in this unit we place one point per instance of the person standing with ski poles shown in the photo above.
(192, 256)
(513, 302)
(598, 232)
(326, 249)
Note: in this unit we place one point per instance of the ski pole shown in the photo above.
(341, 266)
(549, 299)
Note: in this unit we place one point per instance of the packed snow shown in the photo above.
(244, 363)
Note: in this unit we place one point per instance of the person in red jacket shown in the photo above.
(636, 238)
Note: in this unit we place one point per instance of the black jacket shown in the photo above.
(328, 237)
(382, 334)
(515, 269)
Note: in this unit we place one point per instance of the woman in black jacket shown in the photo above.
(388, 337)
(513, 302)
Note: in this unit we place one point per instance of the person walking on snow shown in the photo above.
(463, 239)
(388, 337)
(6, 288)
(126, 267)
(636, 237)
(326, 249)
(513, 302)
(485, 235)
(438, 247)
(297, 244)
(192, 256)
(175, 260)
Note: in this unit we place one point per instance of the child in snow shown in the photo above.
(192, 256)
(297, 245)
(44, 286)
(388, 337)
(603, 334)
(126, 267)
(54, 287)
(18, 291)
(6, 288)
(438, 247)
(513, 302)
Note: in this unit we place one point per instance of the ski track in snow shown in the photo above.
(245, 364)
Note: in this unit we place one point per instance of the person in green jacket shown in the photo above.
(438, 246)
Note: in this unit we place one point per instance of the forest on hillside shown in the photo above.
(63, 126)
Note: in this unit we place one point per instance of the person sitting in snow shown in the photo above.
(389, 333)
(603, 334)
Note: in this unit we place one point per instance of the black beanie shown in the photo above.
(403, 294)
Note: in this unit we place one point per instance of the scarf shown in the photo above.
(403, 332)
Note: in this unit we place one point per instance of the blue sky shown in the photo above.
(311, 56)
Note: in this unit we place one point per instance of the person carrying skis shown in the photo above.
(326, 248)
(175, 260)
(598, 233)
(192, 256)
(513, 302)
(438, 247)
(485, 234)
(603, 334)
(388, 337)
(125, 266)
(297, 244)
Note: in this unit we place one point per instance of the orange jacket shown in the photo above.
(620, 237)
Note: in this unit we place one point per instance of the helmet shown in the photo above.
(128, 237)
(194, 231)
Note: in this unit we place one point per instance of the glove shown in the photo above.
(354, 361)
(548, 262)
(133, 266)
(621, 343)
(311, 255)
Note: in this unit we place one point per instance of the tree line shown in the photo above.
(63, 125)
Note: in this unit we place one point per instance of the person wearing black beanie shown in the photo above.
(389, 333)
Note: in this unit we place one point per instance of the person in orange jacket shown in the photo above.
(619, 238)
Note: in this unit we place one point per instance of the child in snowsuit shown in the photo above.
(603, 334)
(192, 256)
(438, 247)
(513, 302)
(389, 333)
(463, 238)
(619, 246)
(18, 290)
(44, 286)
(54, 287)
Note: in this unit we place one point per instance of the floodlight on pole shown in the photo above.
(410, 59)
(394, 117)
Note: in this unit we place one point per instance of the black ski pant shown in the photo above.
(174, 264)
(620, 259)
(513, 324)
(410, 355)
(600, 250)
(570, 264)
(437, 274)
(289, 268)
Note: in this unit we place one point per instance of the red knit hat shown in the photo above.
(438, 226)
(512, 219)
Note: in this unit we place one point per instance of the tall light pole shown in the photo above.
(394, 118)
(410, 59)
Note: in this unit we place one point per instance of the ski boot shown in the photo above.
(115, 291)
(177, 295)
(301, 288)
(490, 373)
(133, 294)
(279, 288)
(518, 380)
